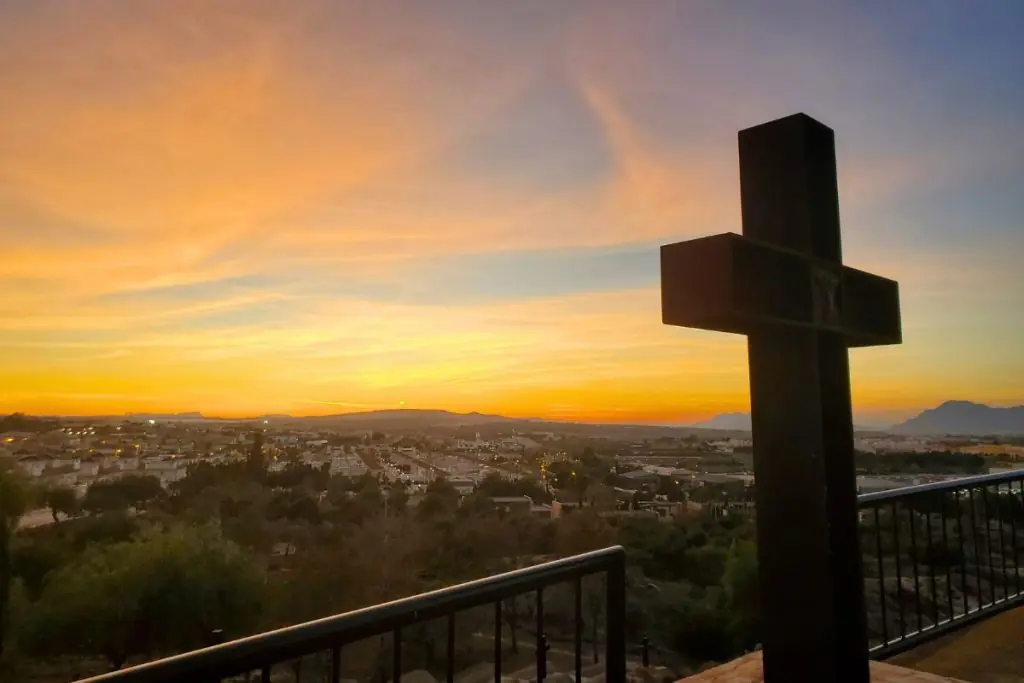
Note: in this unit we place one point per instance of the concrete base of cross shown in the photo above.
(748, 669)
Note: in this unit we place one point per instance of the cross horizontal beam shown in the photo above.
(737, 284)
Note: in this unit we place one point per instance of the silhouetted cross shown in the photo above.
(783, 285)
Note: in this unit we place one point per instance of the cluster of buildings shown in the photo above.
(78, 454)
(895, 443)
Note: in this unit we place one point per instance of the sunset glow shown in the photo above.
(322, 207)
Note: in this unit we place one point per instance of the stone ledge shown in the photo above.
(748, 669)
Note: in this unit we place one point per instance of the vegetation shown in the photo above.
(133, 571)
(147, 572)
(14, 502)
(61, 500)
(161, 592)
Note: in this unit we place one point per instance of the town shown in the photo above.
(665, 475)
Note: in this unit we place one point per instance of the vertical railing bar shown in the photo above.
(914, 564)
(977, 551)
(396, 655)
(945, 556)
(899, 568)
(336, 664)
(298, 670)
(988, 545)
(497, 642)
(1013, 530)
(963, 551)
(540, 639)
(881, 573)
(931, 561)
(578, 628)
(265, 675)
(615, 620)
(451, 649)
(1002, 541)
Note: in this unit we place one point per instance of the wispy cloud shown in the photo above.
(255, 206)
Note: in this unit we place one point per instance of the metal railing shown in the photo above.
(260, 654)
(937, 557)
(940, 556)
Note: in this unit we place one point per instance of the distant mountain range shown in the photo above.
(952, 417)
(960, 418)
(413, 420)
(408, 417)
(412, 417)
(965, 418)
(165, 416)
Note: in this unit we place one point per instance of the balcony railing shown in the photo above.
(940, 556)
(936, 557)
(286, 647)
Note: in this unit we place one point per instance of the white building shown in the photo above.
(160, 465)
(89, 468)
(126, 464)
(348, 466)
(33, 465)
(69, 479)
(168, 476)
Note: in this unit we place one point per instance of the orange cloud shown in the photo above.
(181, 146)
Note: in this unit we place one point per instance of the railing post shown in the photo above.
(542, 658)
(615, 626)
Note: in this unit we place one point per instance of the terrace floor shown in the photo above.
(748, 669)
(991, 651)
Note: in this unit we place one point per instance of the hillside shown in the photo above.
(728, 421)
(740, 422)
(965, 418)
(408, 418)
(415, 420)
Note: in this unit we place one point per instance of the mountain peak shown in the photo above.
(965, 418)
(959, 403)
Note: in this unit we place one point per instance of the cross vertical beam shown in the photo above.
(783, 284)
(813, 620)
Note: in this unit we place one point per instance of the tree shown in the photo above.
(161, 593)
(256, 465)
(298, 474)
(739, 581)
(202, 476)
(15, 498)
(108, 527)
(579, 532)
(19, 422)
(397, 499)
(62, 500)
(33, 559)
(440, 499)
(293, 505)
(129, 491)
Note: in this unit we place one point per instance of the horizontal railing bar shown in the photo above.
(238, 656)
(940, 486)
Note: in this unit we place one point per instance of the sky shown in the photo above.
(248, 206)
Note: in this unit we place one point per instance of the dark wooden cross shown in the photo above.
(783, 285)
